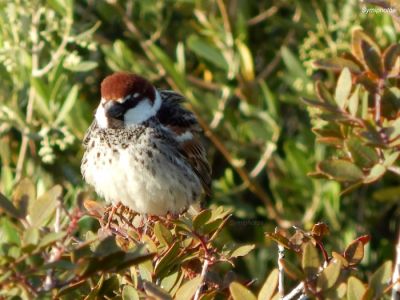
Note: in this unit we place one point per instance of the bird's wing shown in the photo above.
(183, 123)
(88, 134)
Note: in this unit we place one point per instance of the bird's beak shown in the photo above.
(114, 110)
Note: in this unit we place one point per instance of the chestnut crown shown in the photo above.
(120, 85)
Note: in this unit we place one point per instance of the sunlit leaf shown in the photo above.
(355, 289)
(362, 155)
(354, 253)
(240, 292)
(329, 275)
(310, 260)
(207, 51)
(188, 289)
(340, 170)
(40, 210)
(269, 287)
(337, 64)
(380, 279)
(155, 291)
(343, 88)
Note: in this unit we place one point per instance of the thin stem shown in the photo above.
(297, 290)
(32, 94)
(202, 277)
(281, 277)
(378, 102)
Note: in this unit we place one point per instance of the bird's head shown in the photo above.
(126, 99)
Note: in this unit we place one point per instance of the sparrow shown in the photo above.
(143, 148)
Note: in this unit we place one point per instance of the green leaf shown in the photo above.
(372, 58)
(355, 289)
(340, 170)
(343, 88)
(42, 97)
(269, 287)
(130, 293)
(390, 56)
(292, 63)
(201, 219)
(7, 206)
(362, 155)
(41, 209)
(23, 194)
(358, 36)
(292, 270)
(168, 282)
(204, 49)
(323, 93)
(337, 64)
(188, 289)
(354, 102)
(83, 66)
(68, 104)
(30, 238)
(51, 238)
(166, 261)
(329, 276)
(310, 260)
(155, 292)
(169, 66)
(163, 234)
(246, 61)
(380, 279)
(241, 251)
(376, 172)
(240, 292)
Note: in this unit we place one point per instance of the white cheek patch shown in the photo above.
(186, 136)
(143, 111)
(101, 118)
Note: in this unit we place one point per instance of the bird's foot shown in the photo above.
(111, 213)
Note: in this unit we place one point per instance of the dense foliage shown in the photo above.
(282, 89)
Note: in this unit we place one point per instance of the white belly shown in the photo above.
(152, 185)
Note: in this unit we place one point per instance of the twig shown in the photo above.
(263, 16)
(271, 147)
(395, 170)
(297, 290)
(281, 277)
(202, 279)
(378, 102)
(396, 272)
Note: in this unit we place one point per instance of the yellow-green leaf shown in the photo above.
(355, 289)
(343, 88)
(41, 209)
(240, 292)
(187, 290)
(310, 261)
(269, 286)
(329, 275)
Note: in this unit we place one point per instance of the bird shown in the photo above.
(144, 149)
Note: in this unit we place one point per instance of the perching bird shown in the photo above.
(143, 148)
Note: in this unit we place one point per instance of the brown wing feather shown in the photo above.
(180, 120)
(195, 154)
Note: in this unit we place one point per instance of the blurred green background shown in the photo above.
(243, 67)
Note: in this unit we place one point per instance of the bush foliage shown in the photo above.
(282, 90)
